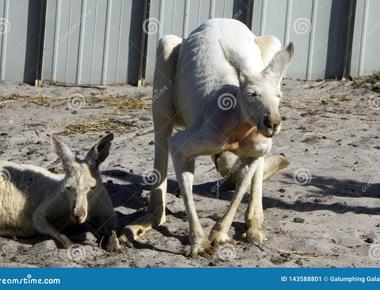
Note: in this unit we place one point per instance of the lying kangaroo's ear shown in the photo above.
(100, 151)
(237, 61)
(275, 70)
(63, 152)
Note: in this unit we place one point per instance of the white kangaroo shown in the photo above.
(34, 200)
(223, 85)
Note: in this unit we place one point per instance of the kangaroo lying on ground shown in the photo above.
(222, 84)
(33, 200)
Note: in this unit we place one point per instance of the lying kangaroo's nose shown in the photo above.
(272, 120)
(79, 213)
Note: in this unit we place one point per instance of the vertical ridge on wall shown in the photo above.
(3, 41)
(363, 37)
(80, 46)
(313, 21)
(106, 42)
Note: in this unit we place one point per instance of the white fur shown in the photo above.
(34, 200)
(221, 57)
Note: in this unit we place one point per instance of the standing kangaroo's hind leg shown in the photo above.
(163, 114)
(219, 233)
(254, 217)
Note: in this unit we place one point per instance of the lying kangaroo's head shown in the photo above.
(260, 93)
(83, 178)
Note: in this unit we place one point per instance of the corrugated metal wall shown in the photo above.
(365, 56)
(109, 42)
(317, 27)
(19, 39)
(93, 41)
(180, 17)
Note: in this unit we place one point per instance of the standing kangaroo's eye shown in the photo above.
(252, 94)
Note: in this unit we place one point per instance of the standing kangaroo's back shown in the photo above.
(203, 71)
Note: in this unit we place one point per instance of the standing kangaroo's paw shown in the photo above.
(202, 247)
(124, 241)
(141, 226)
(219, 237)
(254, 235)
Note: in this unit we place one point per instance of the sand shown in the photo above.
(321, 211)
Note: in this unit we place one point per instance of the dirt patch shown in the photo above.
(330, 134)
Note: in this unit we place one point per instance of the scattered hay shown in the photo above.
(371, 81)
(37, 100)
(120, 103)
(97, 125)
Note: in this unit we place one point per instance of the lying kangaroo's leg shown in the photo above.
(219, 233)
(104, 216)
(255, 216)
(43, 226)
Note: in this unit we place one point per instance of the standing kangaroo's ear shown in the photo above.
(237, 61)
(276, 68)
(100, 151)
(63, 152)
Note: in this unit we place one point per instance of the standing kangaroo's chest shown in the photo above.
(247, 141)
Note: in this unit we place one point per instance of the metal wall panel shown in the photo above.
(318, 29)
(365, 58)
(180, 17)
(19, 39)
(93, 41)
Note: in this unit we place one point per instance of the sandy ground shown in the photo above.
(321, 211)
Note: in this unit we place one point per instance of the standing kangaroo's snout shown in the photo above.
(272, 123)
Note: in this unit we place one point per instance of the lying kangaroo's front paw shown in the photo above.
(254, 235)
(64, 241)
(113, 244)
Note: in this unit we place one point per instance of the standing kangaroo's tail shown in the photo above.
(273, 164)
(229, 166)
